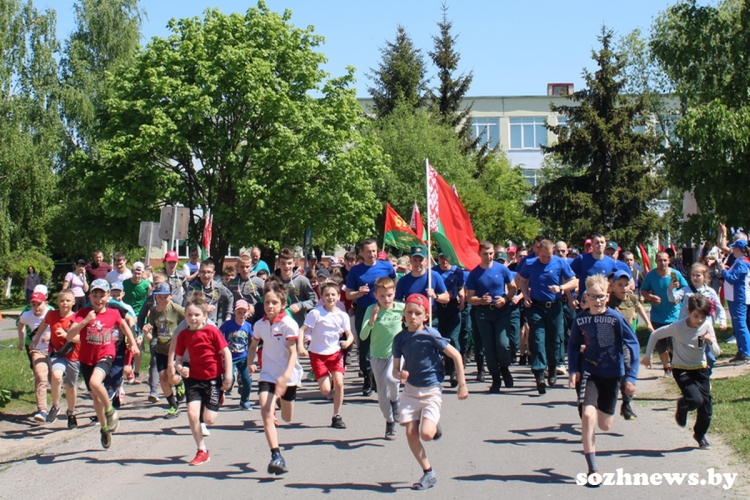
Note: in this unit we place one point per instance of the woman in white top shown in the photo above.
(76, 281)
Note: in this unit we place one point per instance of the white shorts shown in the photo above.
(420, 402)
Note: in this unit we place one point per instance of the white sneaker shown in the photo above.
(560, 370)
(732, 340)
(204, 430)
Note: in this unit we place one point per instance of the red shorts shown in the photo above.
(323, 364)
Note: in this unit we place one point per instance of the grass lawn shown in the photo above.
(731, 398)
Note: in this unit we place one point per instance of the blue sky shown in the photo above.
(513, 47)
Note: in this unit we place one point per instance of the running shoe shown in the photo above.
(153, 397)
(180, 392)
(731, 340)
(245, 405)
(560, 370)
(680, 416)
(113, 421)
(703, 443)
(590, 484)
(337, 422)
(130, 379)
(627, 411)
(172, 412)
(739, 359)
(52, 415)
(427, 481)
(201, 458)
(394, 410)
(204, 430)
(72, 421)
(41, 416)
(438, 432)
(277, 466)
(106, 438)
(122, 396)
(390, 431)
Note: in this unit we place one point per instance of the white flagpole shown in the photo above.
(429, 238)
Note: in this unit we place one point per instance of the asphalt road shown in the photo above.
(516, 444)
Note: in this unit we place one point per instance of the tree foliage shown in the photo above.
(607, 177)
(400, 76)
(221, 115)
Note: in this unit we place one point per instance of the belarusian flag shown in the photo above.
(450, 225)
(416, 223)
(208, 222)
(397, 232)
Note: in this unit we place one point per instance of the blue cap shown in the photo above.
(163, 289)
(616, 275)
(100, 284)
(741, 244)
(117, 285)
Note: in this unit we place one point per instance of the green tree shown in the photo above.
(30, 127)
(221, 115)
(703, 50)
(400, 76)
(607, 177)
(105, 38)
(448, 97)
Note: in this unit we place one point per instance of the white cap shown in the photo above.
(138, 266)
(41, 289)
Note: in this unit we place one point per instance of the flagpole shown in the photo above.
(429, 236)
(385, 221)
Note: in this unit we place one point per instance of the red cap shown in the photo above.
(587, 242)
(512, 249)
(171, 256)
(382, 256)
(38, 297)
(419, 299)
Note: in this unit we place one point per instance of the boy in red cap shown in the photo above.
(422, 375)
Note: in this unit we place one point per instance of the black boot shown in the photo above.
(480, 370)
(507, 376)
(540, 385)
(496, 384)
(523, 361)
(551, 376)
(367, 385)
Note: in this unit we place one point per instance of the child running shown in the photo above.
(281, 373)
(384, 324)
(689, 365)
(63, 358)
(326, 324)
(97, 327)
(596, 362)
(423, 373)
(38, 347)
(203, 378)
(238, 332)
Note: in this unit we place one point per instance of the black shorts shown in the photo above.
(208, 392)
(289, 395)
(104, 365)
(599, 392)
(161, 361)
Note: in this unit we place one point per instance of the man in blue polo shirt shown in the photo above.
(360, 286)
(417, 280)
(449, 313)
(543, 280)
(589, 264)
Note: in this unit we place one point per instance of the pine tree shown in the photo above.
(607, 177)
(400, 76)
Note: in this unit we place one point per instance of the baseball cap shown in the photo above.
(573, 252)
(501, 256)
(41, 289)
(741, 244)
(138, 266)
(100, 285)
(616, 275)
(403, 262)
(382, 256)
(171, 256)
(587, 242)
(163, 289)
(37, 297)
(117, 285)
(419, 251)
(512, 249)
(335, 262)
(241, 304)
(612, 245)
(419, 299)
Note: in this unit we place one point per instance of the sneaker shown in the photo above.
(731, 340)
(390, 431)
(627, 412)
(113, 421)
(201, 458)
(589, 484)
(552, 378)
(310, 376)
(560, 370)
(106, 438)
(394, 410)
(130, 379)
(438, 432)
(703, 443)
(337, 422)
(680, 416)
(245, 405)
(366, 387)
(667, 374)
(179, 392)
(454, 381)
(427, 481)
(739, 359)
(277, 466)
(172, 412)
(122, 396)
(136, 379)
(41, 416)
(72, 421)
(154, 398)
(204, 430)
(52, 415)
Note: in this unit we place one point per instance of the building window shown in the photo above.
(488, 129)
(532, 175)
(528, 132)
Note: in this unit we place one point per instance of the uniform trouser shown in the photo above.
(515, 331)
(696, 395)
(569, 315)
(738, 312)
(449, 326)
(545, 335)
(477, 339)
(464, 333)
(364, 345)
(382, 370)
(495, 330)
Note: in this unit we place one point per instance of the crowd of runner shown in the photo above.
(408, 326)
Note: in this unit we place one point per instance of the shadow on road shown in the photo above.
(329, 488)
(544, 476)
(351, 444)
(640, 453)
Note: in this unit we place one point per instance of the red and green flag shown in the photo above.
(208, 222)
(397, 232)
(416, 223)
(450, 224)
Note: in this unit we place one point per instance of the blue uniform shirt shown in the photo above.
(362, 274)
(453, 279)
(408, 285)
(492, 280)
(586, 265)
(422, 351)
(542, 276)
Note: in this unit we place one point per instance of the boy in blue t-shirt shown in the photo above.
(422, 375)
(238, 333)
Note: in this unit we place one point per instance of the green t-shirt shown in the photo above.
(387, 325)
(628, 306)
(164, 325)
(135, 294)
